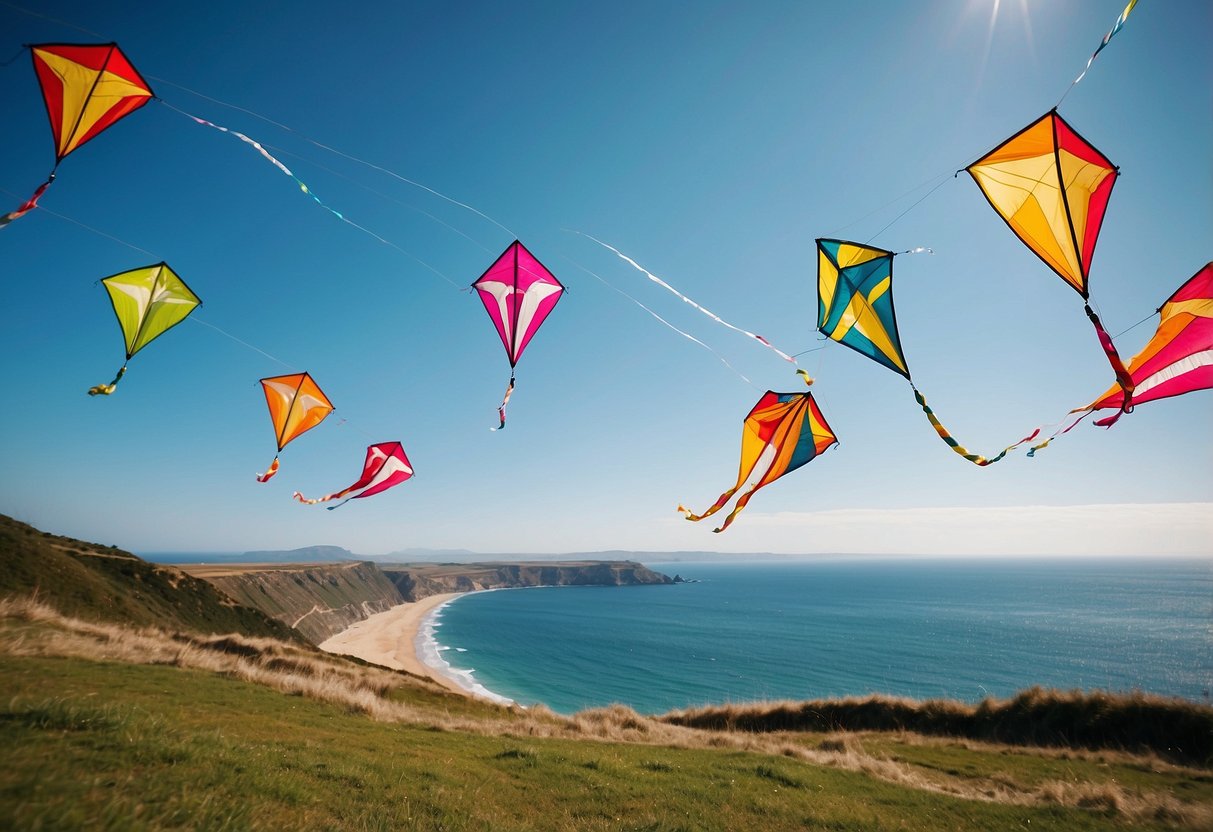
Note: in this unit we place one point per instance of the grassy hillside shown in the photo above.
(106, 728)
(103, 583)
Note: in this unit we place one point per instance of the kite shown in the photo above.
(148, 302)
(296, 406)
(1051, 188)
(519, 293)
(385, 466)
(1177, 360)
(86, 88)
(855, 308)
(782, 432)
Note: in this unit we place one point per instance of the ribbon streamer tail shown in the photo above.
(1123, 377)
(509, 391)
(1059, 432)
(107, 389)
(269, 474)
(29, 205)
(948, 439)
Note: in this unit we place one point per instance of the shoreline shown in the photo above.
(390, 639)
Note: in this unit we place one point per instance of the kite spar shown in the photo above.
(86, 89)
(148, 302)
(519, 293)
(296, 406)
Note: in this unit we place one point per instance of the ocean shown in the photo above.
(917, 627)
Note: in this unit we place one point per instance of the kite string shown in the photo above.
(662, 320)
(61, 22)
(57, 215)
(340, 153)
(226, 334)
(684, 298)
(303, 187)
(284, 152)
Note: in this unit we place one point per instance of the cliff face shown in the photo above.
(416, 582)
(321, 600)
(318, 601)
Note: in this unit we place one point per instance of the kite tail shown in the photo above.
(509, 391)
(107, 389)
(741, 503)
(334, 496)
(1123, 377)
(976, 459)
(268, 475)
(29, 205)
(717, 506)
(1085, 411)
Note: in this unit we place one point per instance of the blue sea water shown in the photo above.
(915, 627)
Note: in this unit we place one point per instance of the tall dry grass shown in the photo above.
(1174, 729)
(31, 628)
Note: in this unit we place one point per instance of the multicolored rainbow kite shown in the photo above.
(1177, 360)
(385, 466)
(148, 302)
(519, 293)
(782, 432)
(86, 88)
(855, 308)
(296, 406)
(1051, 188)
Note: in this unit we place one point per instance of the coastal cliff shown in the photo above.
(318, 600)
(417, 581)
(321, 600)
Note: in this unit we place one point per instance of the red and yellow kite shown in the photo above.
(1051, 187)
(86, 89)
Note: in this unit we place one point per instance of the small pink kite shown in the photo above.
(385, 466)
(518, 292)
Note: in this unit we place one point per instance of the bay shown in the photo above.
(917, 627)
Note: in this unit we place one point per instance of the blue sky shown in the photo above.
(712, 142)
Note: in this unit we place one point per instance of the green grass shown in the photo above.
(97, 745)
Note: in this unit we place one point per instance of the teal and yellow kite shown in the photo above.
(855, 308)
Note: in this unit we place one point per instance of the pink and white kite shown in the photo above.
(518, 292)
(385, 466)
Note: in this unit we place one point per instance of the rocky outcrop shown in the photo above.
(317, 600)
(418, 581)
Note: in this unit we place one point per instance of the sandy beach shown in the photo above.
(389, 639)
